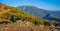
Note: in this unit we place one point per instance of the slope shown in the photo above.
(40, 13)
(12, 14)
(26, 26)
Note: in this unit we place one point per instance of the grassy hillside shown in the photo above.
(11, 14)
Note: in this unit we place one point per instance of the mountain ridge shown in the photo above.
(39, 12)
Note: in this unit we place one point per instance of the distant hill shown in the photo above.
(51, 18)
(33, 10)
(40, 13)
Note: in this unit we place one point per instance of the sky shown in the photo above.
(44, 4)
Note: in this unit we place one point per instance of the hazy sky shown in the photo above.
(44, 4)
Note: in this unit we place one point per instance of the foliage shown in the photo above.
(12, 14)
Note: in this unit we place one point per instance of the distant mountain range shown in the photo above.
(53, 15)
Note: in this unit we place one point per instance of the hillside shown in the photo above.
(13, 19)
(12, 14)
(26, 26)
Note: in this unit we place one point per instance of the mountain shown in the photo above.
(40, 13)
(12, 14)
(33, 10)
(51, 18)
(13, 19)
(8, 13)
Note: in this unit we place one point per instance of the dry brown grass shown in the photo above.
(4, 10)
(25, 26)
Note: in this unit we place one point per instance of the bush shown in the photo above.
(12, 19)
(46, 23)
(4, 22)
(36, 22)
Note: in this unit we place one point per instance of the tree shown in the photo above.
(12, 19)
(18, 18)
(23, 19)
(56, 24)
(36, 22)
(52, 22)
(47, 23)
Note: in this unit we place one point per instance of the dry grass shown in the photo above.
(25, 26)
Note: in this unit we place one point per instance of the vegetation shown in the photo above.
(12, 14)
(12, 19)
(26, 26)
